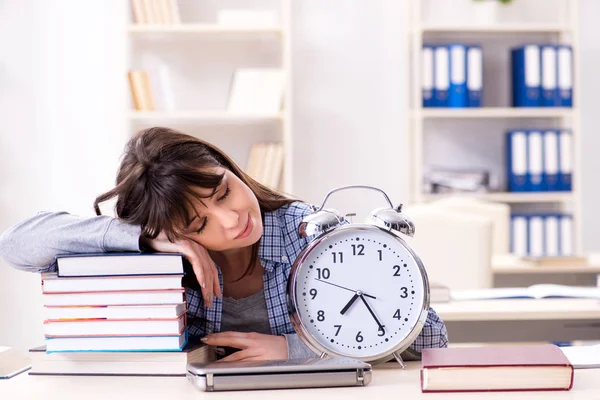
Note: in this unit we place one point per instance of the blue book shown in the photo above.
(117, 343)
(565, 161)
(526, 76)
(427, 75)
(441, 82)
(457, 91)
(474, 76)
(119, 264)
(535, 161)
(550, 174)
(565, 75)
(516, 161)
(548, 64)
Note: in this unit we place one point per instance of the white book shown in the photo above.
(519, 235)
(115, 312)
(583, 356)
(255, 159)
(536, 236)
(551, 235)
(105, 264)
(427, 73)
(263, 172)
(113, 298)
(174, 14)
(256, 91)
(539, 291)
(276, 166)
(149, 327)
(131, 343)
(51, 283)
(566, 235)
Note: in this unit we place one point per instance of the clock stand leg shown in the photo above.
(323, 355)
(399, 359)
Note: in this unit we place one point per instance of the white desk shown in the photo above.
(389, 382)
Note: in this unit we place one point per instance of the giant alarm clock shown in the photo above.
(358, 290)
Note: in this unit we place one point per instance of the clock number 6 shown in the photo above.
(359, 337)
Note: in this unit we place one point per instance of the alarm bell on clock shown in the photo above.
(358, 290)
(388, 218)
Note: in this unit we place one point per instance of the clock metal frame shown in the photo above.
(312, 342)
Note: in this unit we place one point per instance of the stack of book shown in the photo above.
(115, 314)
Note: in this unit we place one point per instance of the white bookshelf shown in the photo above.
(268, 39)
(424, 121)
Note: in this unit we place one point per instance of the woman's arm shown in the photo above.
(433, 335)
(33, 244)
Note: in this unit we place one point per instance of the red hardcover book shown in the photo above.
(496, 368)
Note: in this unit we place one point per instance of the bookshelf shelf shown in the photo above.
(201, 116)
(509, 197)
(494, 112)
(459, 127)
(500, 29)
(143, 29)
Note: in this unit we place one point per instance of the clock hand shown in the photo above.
(371, 311)
(341, 287)
(347, 306)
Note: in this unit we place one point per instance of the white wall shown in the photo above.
(63, 98)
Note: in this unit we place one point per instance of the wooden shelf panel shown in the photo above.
(494, 112)
(500, 29)
(509, 197)
(200, 116)
(200, 29)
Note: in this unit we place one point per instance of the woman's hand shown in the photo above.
(204, 267)
(254, 346)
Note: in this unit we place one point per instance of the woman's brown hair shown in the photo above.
(159, 171)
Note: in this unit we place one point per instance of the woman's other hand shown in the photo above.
(204, 267)
(253, 346)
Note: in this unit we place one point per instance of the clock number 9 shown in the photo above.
(359, 337)
(404, 291)
(313, 293)
(321, 316)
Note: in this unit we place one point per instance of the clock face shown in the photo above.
(359, 292)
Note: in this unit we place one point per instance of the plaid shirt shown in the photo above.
(279, 247)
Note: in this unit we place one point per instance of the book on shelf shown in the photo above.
(582, 357)
(114, 327)
(246, 18)
(541, 235)
(156, 12)
(496, 368)
(265, 163)
(143, 311)
(104, 264)
(117, 343)
(157, 363)
(141, 90)
(52, 283)
(538, 291)
(133, 297)
(256, 91)
(439, 293)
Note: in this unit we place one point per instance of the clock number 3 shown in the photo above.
(404, 291)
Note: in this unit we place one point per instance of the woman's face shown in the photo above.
(229, 219)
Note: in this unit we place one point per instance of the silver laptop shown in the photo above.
(280, 374)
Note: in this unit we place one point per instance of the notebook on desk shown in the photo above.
(540, 291)
(12, 362)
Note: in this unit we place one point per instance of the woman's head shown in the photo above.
(177, 184)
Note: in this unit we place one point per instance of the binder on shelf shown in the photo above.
(442, 76)
(535, 161)
(536, 235)
(565, 75)
(565, 157)
(526, 76)
(519, 235)
(457, 91)
(474, 76)
(548, 64)
(516, 161)
(566, 235)
(427, 76)
(550, 174)
(551, 235)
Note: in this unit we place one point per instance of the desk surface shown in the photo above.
(388, 382)
(518, 310)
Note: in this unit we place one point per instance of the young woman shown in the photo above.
(176, 193)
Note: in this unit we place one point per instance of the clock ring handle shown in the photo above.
(358, 187)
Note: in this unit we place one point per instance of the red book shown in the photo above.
(496, 369)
